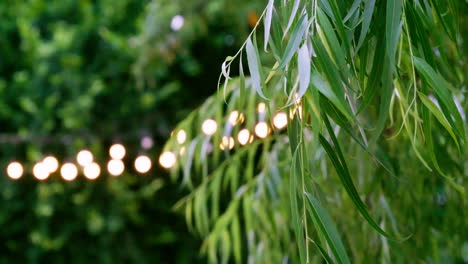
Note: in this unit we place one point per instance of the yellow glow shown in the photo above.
(117, 151)
(84, 157)
(182, 151)
(209, 127)
(69, 171)
(40, 171)
(234, 117)
(92, 171)
(293, 111)
(167, 159)
(244, 136)
(280, 120)
(181, 136)
(261, 129)
(115, 167)
(15, 170)
(261, 107)
(52, 163)
(227, 142)
(142, 164)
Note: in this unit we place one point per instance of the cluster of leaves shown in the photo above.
(81, 74)
(373, 167)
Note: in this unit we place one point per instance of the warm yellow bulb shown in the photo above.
(69, 171)
(244, 136)
(182, 151)
(142, 164)
(52, 163)
(84, 157)
(233, 117)
(117, 151)
(209, 127)
(261, 129)
(40, 171)
(92, 171)
(280, 120)
(181, 136)
(115, 167)
(227, 142)
(15, 170)
(167, 159)
(261, 107)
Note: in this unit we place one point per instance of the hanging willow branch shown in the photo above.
(375, 138)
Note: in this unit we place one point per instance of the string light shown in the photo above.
(261, 129)
(167, 159)
(280, 120)
(84, 157)
(69, 171)
(52, 163)
(15, 170)
(117, 151)
(244, 137)
(92, 171)
(233, 117)
(142, 164)
(209, 127)
(182, 151)
(40, 171)
(293, 111)
(261, 107)
(227, 142)
(115, 167)
(181, 136)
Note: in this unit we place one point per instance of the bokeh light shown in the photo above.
(280, 120)
(244, 137)
(92, 171)
(233, 117)
(209, 127)
(52, 163)
(261, 107)
(227, 142)
(15, 170)
(142, 164)
(69, 171)
(167, 159)
(261, 129)
(117, 151)
(181, 136)
(115, 167)
(84, 157)
(40, 171)
(146, 142)
(177, 22)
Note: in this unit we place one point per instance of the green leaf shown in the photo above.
(254, 68)
(294, 42)
(267, 22)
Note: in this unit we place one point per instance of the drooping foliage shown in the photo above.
(372, 166)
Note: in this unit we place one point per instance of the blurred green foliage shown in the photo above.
(76, 74)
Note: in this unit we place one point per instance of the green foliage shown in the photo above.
(364, 174)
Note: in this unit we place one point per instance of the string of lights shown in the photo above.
(91, 170)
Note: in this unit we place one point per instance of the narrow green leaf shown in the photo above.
(254, 68)
(267, 22)
(294, 42)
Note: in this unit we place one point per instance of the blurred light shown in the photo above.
(15, 170)
(40, 171)
(261, 107)
(69, 171)
(84, 157)
(117, 151)
(167, 159)
(142, 164)
(52, 163)
(261, 129)
(244, 136)
(209, 127)
(181, 136)
(92, 171)
(146, 142)
(177, 22)
(293, 111)
(182, 151)
(233, 117)
(227, 142)
(115, 167)
(280, 120)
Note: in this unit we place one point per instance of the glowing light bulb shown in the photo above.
(69, 171)
(233, 117)
(92, 171)
(15, 170)
(244, 136)
(261, 129)
(84, 157)
(117, 151)
(142, 164)
(261, 107)
(209, 127)
(167, 159)
(40, 171)
(227, 142)
(52, 163)
(181, 136)
(280, 120)
(115, 167)
(177, 22)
